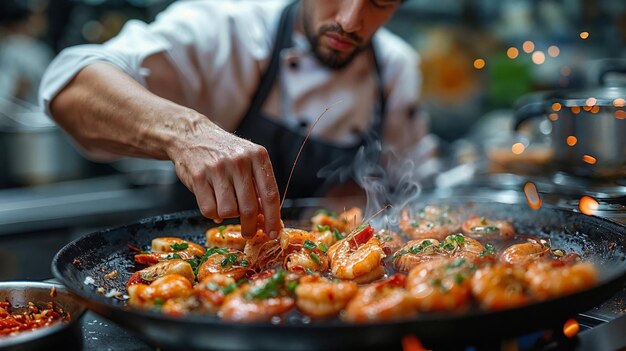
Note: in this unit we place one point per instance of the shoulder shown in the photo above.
(394, 54)
(249, 20)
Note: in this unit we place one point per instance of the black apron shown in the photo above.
(283, 143)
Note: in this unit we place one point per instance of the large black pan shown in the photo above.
(598, 240)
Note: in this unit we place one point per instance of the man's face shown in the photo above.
(339, 29)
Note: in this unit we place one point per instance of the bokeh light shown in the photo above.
(518, 148)
(588, 205)
(571, 140)
(554, 51)
(528, 46)
(538, 57)
(512, 53)
(479, 63)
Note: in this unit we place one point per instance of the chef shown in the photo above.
(228, 90)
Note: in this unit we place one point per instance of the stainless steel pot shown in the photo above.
(588, 128)
(33, 150)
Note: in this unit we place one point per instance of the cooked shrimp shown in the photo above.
(154, 272)
(232, 264)
(357, 257)
(319, 297)
(550, 279)
(259, 300)
(390, 240)
(483, 228)
(156, 294)
(385, 300)
(461, 246)
(430, 222)
(228, 236)
(416, 252)
(212, 290)
(344, 222)
(525, 253)
(500, 286)
(305, 259)
(170, 247)
(441, 285)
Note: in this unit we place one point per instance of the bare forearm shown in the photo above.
(106, 110)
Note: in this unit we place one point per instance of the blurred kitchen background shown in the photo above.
(478, 58)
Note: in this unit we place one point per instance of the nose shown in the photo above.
(350, 15)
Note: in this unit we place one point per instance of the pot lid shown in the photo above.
(602, 96)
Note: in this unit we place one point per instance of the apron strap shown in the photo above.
(283, 41)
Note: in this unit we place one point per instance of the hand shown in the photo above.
(230, 176)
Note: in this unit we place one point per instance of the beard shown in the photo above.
(331, 58)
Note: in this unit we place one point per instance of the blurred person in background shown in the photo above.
(227, 91)
(23, 57)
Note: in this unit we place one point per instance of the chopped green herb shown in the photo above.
(229, 288)
(487, 229)
(483, 220)
(415, 224)
(458, 278)
(326, 212)
(173, 256)
(323, 247)
(309, 272)
(415, 249)
(148, 278)
(159, 301)
(212, 286)
(489, 250)
(459, 239)
(215, 250)
(447, 246)
(244, 263)
(316, 258)
(270, 289)
(229, 260)
(179, 246)
(337, 234)
(308, 244)
(322, 228)
(456, 264)
(291, 286)
(145, 252)
(221, 228)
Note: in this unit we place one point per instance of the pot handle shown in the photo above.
(610, 66)
(530, 106)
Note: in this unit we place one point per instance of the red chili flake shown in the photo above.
(611, 246)
(76, 262)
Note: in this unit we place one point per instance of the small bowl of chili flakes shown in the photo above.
(35, 315)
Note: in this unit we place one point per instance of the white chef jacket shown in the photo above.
(221, 48)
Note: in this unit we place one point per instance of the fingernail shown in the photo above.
(217, 221)
(273, 234)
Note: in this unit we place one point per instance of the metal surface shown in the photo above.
(598, 240)
(593, 118)
(19, 293)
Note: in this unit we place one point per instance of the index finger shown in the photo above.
(267, 189)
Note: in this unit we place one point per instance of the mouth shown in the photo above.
(339, 42)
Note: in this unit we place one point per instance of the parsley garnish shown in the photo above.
(221, 228)
(173, 256)
(458, 278)
(316, 258)
(229, 260)
(322, 228)
(456, 238)
(179, 246)
(415, 249)
(308, 244)
(216, 250)
(145, 252)
(323, 247)
(337, 234)
(488, 229)
(244, 263)
(291, 286)
(489, 250)
(270, 289)
(456, 264)
(483, 220)
(158, 301)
